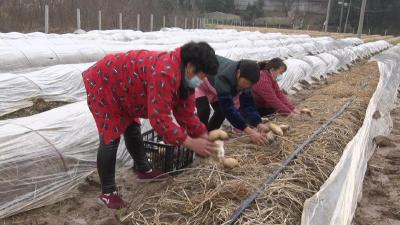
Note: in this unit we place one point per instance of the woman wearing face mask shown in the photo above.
(233, 80)
(266, 92)
(123, 87)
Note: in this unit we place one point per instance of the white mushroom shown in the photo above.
(218, 137)
(284, 127)
(271, 137)
(230, 163)
(306, 111)
(275, 128)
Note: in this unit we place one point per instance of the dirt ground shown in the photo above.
(380, 202)
(39, 105)
(361, 81)
(367, 38)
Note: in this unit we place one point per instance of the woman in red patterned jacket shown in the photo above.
(123, 87)
(267, 95)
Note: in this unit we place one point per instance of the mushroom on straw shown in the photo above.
(306, 111)
(218, 137)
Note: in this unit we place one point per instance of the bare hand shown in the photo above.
(204, 136)
(202, 147)
(256, 137)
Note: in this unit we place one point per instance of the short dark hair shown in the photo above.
(249, 70)
(274, 63)
(201, 55)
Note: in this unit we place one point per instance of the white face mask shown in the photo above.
(194, 82)
(279, 78)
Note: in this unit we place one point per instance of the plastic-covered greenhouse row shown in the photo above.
(336, 201)
(64, 83)
(19, 52)
(46, 155)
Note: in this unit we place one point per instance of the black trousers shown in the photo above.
(107, 156)
(203, 112)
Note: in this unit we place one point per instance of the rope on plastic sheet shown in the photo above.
(246, 203)
(45, 139)
(58, 58)
(26, 57)
(30, 80)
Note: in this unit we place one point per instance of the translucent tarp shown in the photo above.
(336, 201)
(56, 83)
(44, 156)
(313, 67)
(64, 82)
(20, 51)
(156, 37)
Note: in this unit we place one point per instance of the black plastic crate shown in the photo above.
(165, 157)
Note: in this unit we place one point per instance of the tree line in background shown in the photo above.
(380, 15)
(28, 15)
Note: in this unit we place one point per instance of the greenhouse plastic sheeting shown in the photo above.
(166, 35)
(19, 51)
(335, 203)
(155, 37)
(64, 82)
(311, 68)
(56, 83)
(297, 70)
(44, 156)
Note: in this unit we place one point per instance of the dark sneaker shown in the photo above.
(112, 200)
(152, 175)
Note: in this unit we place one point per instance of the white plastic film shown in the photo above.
(336, 201)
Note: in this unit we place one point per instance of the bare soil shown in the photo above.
(39, 105)
(313, 33)
(380, 202)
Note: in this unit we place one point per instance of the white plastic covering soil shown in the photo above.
(56, 83)
(64, 83)
(335, 203)
(44, 156)
(313, 67)
(21, 51)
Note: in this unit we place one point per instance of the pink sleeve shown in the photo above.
(206, 90)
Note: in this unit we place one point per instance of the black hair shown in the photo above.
(249, 70)
(201, 55)
(274, 63)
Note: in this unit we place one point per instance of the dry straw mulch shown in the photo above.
(208, 194)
